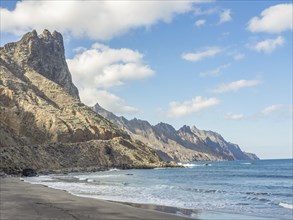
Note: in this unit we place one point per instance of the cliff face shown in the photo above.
(185, 144)
(40, 107)
(94, 155)
(43, 54)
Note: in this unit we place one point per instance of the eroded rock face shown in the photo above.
(43, 124)
(92, 155)
(185, 144)
(42, 53)
(36, 110)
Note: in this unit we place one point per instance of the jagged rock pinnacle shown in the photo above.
(44, 54)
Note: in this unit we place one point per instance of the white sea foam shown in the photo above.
(37, 179)
(247, 163)
(91, 176)
(285, 205)
(187, 188)
(190, 165)
(114, 169)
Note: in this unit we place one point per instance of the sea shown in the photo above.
(261, 188)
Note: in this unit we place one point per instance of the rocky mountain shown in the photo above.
(185, 144)
(43, 124)
(43, 54)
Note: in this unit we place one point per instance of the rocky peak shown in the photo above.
(165, 127)
(186, 144)
(97, 106)
(139, 121)
(42, 53)
(185, 129)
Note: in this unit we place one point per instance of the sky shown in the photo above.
(224, 66)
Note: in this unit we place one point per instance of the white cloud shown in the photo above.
(236, 55)
(200, 55)
(215, 72)
(236, 85)
(104, 67)
(198, 11)
(231, 116)
(200, 22)
(274, 19)
(239, 56)
(107, 100)
(270, 109)
(267, 46)
(225, 16)
(178, 109)
(95, 19)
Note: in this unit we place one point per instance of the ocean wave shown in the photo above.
(190, 165)
(285, 205)
(84, 178)
(274, 176)
(216, 188)
(203, 190)
(258, 193)
(264, 200)
(247, 163)
(37, 179)
(114, 169)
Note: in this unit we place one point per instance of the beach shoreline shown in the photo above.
(22, 200)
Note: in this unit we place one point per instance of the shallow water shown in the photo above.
(259, 188)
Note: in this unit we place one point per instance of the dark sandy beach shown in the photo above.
(20, 200)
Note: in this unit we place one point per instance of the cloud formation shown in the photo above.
(231, 116)
(270, 109)
(236, 85)
(101, 20)
(109, 101)
(198, 11)
(104, 67)
(200, 22)
(269, 45)
(225, 16)
(203, 54)
(178, 109)
(215, 72)
(239, 56)
(100, 67)
(275, 19)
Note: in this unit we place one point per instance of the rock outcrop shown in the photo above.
(185, 144)
(94, 155)
(43, 124)
(43, 54)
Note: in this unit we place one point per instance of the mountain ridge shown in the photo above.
(43, 124)
(188, 143)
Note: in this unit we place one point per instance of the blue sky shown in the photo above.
(224, 66)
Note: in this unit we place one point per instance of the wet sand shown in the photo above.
(21, 200)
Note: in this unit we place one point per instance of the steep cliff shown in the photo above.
(40, 107)
(43, 54)
(185, 144)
